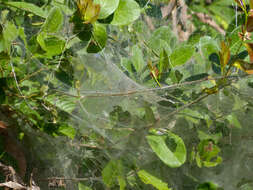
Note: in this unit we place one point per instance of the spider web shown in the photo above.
(102, 89)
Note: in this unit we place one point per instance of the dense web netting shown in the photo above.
(109, 104)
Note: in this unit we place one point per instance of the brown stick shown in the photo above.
(208, 20)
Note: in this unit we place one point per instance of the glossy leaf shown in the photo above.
(207, 186)
(107, 7)
(29, 7)
(127, 12)
(171, 158)
(147, 178)
(98, 40)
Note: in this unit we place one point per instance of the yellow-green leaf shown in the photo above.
(147, 178)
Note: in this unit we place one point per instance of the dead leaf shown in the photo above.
(224, 55)
(12, 185)
(249, 47)
(250, 21)
(2, 125)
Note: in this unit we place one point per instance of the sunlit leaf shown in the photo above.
(127, 12)
(67, 131)
(29, 7)
(88, 10)
(244, 66)
(173, 158)
(99, 38)
(107, 7)
(147, 178)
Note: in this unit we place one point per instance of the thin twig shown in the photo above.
(72, 179)
(188, 105)
(96, 94)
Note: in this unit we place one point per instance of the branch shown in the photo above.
(208, 20)
(97, 94)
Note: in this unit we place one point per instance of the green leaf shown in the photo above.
(107, 7)
(53, 45)
(53, 22)
(67, 131)
(83, 187)
(203, 136)
(137, 58)
(163, 65)
(172, 158)
(232, 118)
(112, 172)
(29, 7)
(235, 41)
(181, 54)
(147, 178)
(207, 152)
(122, 182)
(127, 12)
(207, 46)
(99, 38)
(64, 103)
(161, 40)
(10, 33)
(207, 186)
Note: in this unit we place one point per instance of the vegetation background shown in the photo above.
(126, 94)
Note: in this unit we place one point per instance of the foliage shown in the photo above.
(109, 95)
